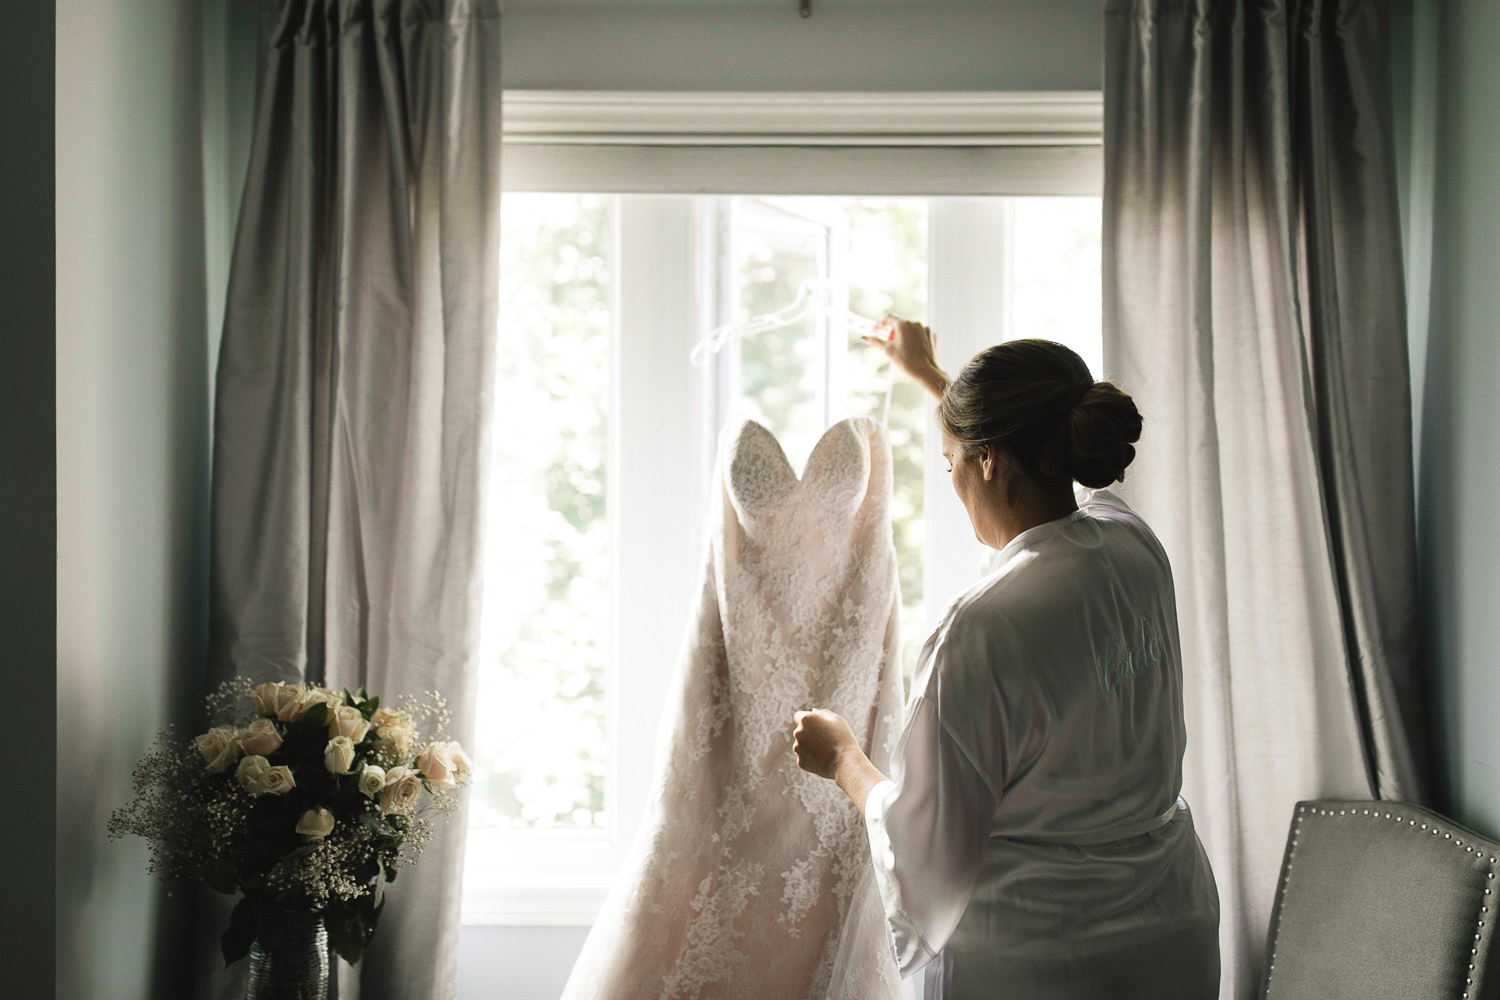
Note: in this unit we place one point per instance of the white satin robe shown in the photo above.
(1031, 842)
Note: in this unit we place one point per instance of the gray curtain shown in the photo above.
(354, 383)
(1253, 303)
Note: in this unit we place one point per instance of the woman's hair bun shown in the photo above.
(1095, 441)
(1037, 400)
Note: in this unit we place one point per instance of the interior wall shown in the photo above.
(28, 625)
(859, 45)
(1456, 86)
(132, 464)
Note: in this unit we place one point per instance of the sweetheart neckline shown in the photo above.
(746, 422)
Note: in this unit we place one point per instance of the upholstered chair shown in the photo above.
(1384, 900)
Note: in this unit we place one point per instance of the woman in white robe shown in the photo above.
(1030, 841)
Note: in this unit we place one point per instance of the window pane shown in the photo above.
(547, 570)
(888, 273)
(547, 624)
(780, 371)
(1055, 290)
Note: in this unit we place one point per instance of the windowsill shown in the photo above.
(539, 899)
(540, 878)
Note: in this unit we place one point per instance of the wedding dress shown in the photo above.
(750, 878)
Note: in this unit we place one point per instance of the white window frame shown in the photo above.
(908, 144)
(658, 151)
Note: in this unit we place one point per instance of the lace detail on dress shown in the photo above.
(748, 867)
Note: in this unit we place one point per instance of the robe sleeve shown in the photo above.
(927, 827)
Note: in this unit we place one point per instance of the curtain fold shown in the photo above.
(1253, 305)
(1356, 331)
(354, 389)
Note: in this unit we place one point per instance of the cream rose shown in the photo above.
(279, 780)
(321, 695)
(347, 721)
(402, 786)
(317, 692)
(258, 777)
(315, 824)
(463, 767)
(372, 780)
(444, 765)
(290, 702)
(252, 773)
(395, 742)
(338, 755)
(218, 747)
(265, 698)
(390, 717)
(260, 738)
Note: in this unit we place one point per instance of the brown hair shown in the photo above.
(1037, 401)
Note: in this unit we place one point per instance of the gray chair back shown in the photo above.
(1383, 899)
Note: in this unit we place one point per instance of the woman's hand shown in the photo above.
(819, 739)
(825, 746)
(912, 348)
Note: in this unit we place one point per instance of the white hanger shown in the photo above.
(814, 296)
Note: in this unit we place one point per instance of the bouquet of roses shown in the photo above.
(304, 799)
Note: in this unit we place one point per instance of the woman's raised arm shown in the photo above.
(911, 347)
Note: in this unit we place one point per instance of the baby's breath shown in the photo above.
(324, 875)
(430, 712)
(230, 702)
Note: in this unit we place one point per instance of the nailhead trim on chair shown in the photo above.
(1303, 810)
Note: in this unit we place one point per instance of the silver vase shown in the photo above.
(292, 967)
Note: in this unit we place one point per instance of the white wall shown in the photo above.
(1455, 201)
(765, 45)
(132, 452)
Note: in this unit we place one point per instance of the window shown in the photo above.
(591, 572)
(545, 638)
(605, 443)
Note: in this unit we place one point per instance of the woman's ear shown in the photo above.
(989, 461)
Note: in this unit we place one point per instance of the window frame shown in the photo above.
(897, 144)
(658, 152)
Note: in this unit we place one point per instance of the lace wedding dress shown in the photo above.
(749, 879)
